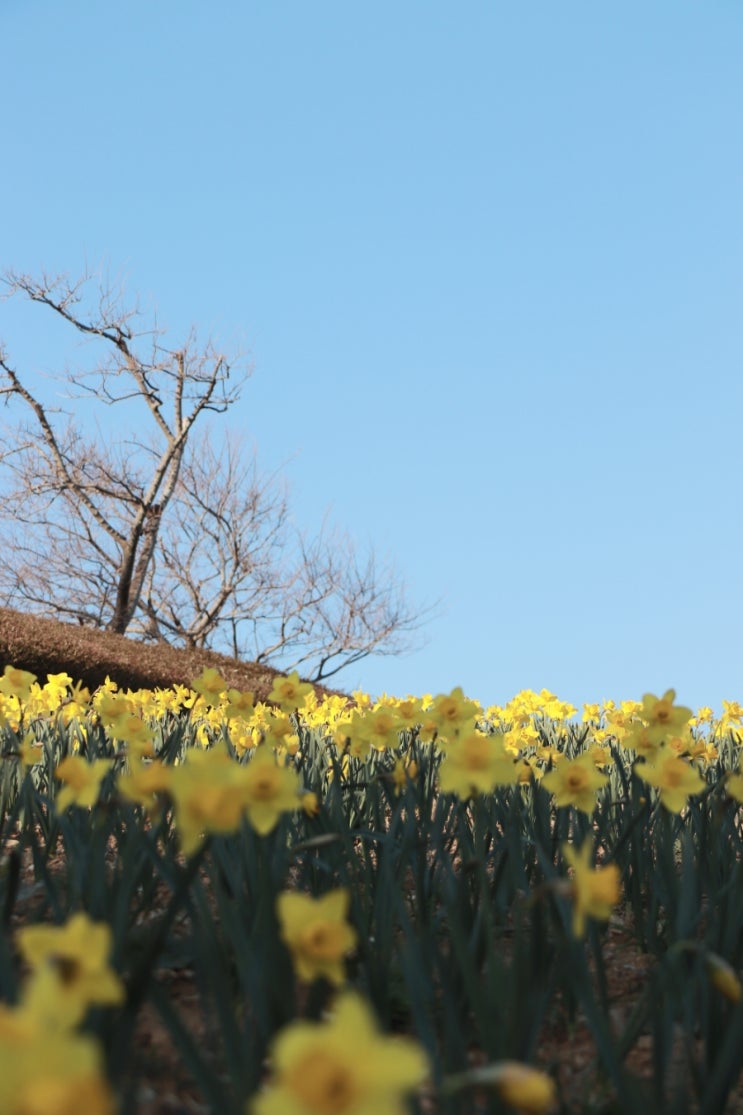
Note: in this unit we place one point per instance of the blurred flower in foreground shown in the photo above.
(239, 703)
(45, 1067)
(212, 792)
(48, 1072)
(594, 891)
(453, 713)
(639, 739)
(82, 781)
(270, 790)
(525, 1088)
(144, 782)
(519, 1085)
(575, 782)
(404, 771)
(310, 803)
(316, 933)
(476, 763)
(134, 731)
(381, 727)
(210, 685)
(734, 785)
(343, 1066)
(732, 715)
(77, 953)
(17, 683)
(289, 692)
(673, 778)
(724, 977)
(662, 717)
(31, 750)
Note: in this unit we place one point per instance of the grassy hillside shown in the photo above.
(46, 646)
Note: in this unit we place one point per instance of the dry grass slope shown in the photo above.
(46, 646)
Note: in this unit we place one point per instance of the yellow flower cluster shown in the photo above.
(244, 768)
(482, 749)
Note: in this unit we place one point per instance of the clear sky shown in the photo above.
(488, 261)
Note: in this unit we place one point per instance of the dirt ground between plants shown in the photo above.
(567, 1053)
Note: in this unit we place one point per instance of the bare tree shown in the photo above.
(220, 553)
(159, 534)
(336, 603)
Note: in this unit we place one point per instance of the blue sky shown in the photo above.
(487, 259)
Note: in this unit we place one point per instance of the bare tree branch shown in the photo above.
(159, 533)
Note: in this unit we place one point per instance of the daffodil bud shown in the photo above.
(724, 977)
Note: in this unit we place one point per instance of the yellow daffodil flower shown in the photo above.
(289, 692)
(135, 732)
(521, 1086)
(31, 750)
(49, 1070)
(638, 738)
(241, 736)
(204, 804)
(210, 685)
(239, 704)
(662, 717)
(58, 684)
(674, 779)
(734, 785)
(601, 756)
(17, 683)
(212, 792)
(77, 705)
(404, 771)
(575, 782)
(343, 1066)
(527, 1089)
(280, 732)
(112, 706)
(732, 714)
(270, 790)
(82, 781)
(350, 732)
(77, 955)
(594, 891)
(144, 782)
(557, 709)
(409, 711)
(704, 715)
(310, 804)
(724, 977)
(381, 728)
(476, 763)
(316, 933)
(452, 713)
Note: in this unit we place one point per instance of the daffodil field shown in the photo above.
(383, 907)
